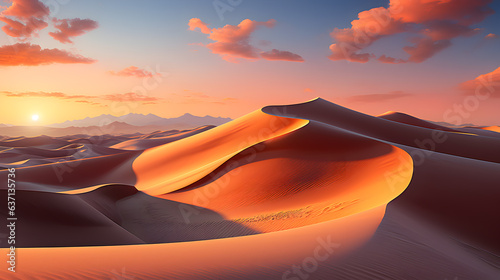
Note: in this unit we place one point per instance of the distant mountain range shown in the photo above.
(108, 124)
(183, 122)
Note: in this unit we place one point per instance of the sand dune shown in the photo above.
(393, 132)
(157, 139)
(492, 128)
(314, 186)
(325, 173)
(410, 120)
(173, 166)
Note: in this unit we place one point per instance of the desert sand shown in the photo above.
(304, 191)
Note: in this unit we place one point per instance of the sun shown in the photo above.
(35, 117)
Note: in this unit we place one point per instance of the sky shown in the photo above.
(70, 59)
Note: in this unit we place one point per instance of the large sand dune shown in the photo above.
(305, 191)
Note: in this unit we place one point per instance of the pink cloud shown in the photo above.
(197, 23)
(465, 12)
(491, 36)
(486, 84)
(446, 30)
(32, 55)
(24, 18)
(37, 94)
(233, 41)
(130, 97)
(425, 48)
(90, 99)
(69, 28)
(390, 60)
(134, 71)
(436, 22)
(275, 54)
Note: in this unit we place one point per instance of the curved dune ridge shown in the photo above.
(311, 186)
(171, 167)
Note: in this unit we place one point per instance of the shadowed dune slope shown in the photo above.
(314, 174)
(440, 141)
(411, 120)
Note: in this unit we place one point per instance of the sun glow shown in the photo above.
(35, 117)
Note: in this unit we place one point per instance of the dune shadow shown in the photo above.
(111, 215)
(157, 220)
(338, 147)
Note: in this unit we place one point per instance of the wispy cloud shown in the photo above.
(130, 97)
(134, 71)
(491, 36)
(32, 55)
(185, 97)
(88, 99)
(232, 42)
(275, 54)
(69, 28)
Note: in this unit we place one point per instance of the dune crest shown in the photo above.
(173, 166)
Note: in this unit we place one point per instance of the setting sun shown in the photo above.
(35, 117)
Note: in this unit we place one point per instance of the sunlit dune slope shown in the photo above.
(173, 166)
(492, 128)
(263, 256)
(311, 175)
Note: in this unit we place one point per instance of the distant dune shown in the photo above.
(115, 128)
(304, 191)
(410, 120)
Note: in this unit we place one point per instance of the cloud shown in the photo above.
(36, 94)
(197, 23)
(434, 23)
(89, 99)
(134, 71)
(69, 28)
(391, 60)
(491, 36)
(32, 55)
(129, 97)
(24, 18)
(425, 48)
(191, 97)
(275, 54)
(489, 83)
(47, 94)
(232, 42)
(377, 97)
(91, 103)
